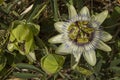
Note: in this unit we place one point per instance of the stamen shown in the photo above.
(80, 33)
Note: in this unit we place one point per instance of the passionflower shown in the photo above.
(81, 34)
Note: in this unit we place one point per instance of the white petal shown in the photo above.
(63, 49)
(76, 51)
(61, 26)
(56, 39)
(77, 56)
(90, 57)
(75, 59)
(85, 12)
(31, 56)
(105, 36)
(102, 46)
(72, 12)
(99, 18)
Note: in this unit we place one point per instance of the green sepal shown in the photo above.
(52, 63)
(29, 45)
(34, 28)
(21, 32)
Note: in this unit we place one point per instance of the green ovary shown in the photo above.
(80, 33)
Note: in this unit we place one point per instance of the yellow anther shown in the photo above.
(82, 40)
(88, 29)
(73, 32)
(84, 22)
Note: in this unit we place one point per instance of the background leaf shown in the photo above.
(25, 75)
(2, 62)
(27, 66)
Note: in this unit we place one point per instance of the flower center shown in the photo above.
(80, 33)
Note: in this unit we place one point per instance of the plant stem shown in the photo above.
(8, 73)
(55, 9)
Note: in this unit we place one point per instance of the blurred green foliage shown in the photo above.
(45, 13)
